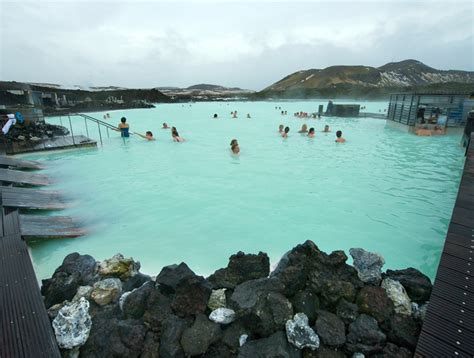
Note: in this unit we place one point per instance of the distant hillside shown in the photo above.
(208, 87)
(336, 80)
(206, 92)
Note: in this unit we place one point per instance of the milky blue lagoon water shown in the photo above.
(163, 202)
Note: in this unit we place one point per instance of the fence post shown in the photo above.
(72, 133)
(100, 135)
(87, 131)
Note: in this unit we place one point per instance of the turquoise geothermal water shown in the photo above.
(163, 202)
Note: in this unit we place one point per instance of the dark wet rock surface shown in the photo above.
(255, 314)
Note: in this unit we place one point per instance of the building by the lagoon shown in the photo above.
(412, 110)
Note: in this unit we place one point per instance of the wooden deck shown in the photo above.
(25, 329)
(7, 162)
(48, 227)
(55, 143)
(448, 329)
(22, 178)
(26, 198)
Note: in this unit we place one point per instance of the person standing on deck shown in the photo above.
(123, 128)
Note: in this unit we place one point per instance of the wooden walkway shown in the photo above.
(23, 178)
(6, 162)
(448, 329)
(48, 227)
(55, 143)
(25, 328)
(26, 198)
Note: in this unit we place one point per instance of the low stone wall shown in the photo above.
(312, 305)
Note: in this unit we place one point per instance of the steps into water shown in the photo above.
(34, 227)
(26, 198)
(23, 178)
(6, 162)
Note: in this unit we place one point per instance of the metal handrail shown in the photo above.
(99, 123)
(105, 124)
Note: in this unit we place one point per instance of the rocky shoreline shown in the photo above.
(312, 305)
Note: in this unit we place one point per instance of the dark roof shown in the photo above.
(12, 85)
(462, 94)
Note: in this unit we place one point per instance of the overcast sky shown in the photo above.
(246, 44)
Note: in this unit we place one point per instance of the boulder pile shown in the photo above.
(35, 131)
(312, 305)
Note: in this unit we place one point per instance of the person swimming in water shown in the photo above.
(175, 135)
(165, 126)
(339, 138)
(147, 136)
(311, 132)
(326, 129)
(215, 115)
(234, 146)
(248, 115)
(234, 115)
(281, 127)
(304, 129)
(123, 128)
(285, 133)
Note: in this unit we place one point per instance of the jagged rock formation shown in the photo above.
(312, 305)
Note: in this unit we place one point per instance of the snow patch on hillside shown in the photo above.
(393, 79)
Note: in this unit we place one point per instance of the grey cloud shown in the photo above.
(145, 45)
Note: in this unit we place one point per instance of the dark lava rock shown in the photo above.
(191, 297)
(242, 267)
(76, 270)
(333, 290)
(171, 331)
(404, 331)
(375, 302)
(260, 307)
(232, 335)
(110, 337)
(135, 282)
(158, 308)
(347, 311)
(197, 339)
(269, 314)
(324, 352)
(326, 275)
(218, 351)
(365, 336)
(306, 302)
(417, 285)
(132, 334)
(330, 329)
(274, 346)
(170, 276)
(35, 129)
(135, 303)
(245, 295)
(393, 351)
(151, 346)
(293, 277)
